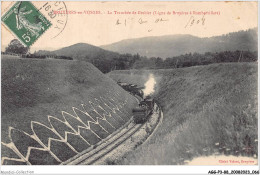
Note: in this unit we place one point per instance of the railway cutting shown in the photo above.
(146, 118)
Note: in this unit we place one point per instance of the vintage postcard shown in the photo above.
(129, 83)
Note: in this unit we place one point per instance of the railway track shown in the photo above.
(110, 144)
(110, 147)
(107, 146)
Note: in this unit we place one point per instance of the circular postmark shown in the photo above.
(58, 20)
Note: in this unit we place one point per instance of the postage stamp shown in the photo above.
(26, 22)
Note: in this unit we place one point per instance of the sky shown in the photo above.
(116, 21)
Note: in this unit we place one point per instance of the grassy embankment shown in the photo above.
(207, 110)
(32, 89)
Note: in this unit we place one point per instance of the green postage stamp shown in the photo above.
(26, 22)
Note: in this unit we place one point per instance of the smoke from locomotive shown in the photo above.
(149, 85)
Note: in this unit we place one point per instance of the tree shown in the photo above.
(17, 47)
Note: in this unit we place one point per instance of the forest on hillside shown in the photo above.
(128, 61)
(175, 45)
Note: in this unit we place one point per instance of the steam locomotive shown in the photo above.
(146, 106)
(145, 109)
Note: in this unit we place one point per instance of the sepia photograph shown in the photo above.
(129, 83)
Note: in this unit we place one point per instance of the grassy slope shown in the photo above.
(33, 89)
(207, 109)
(82, 52)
